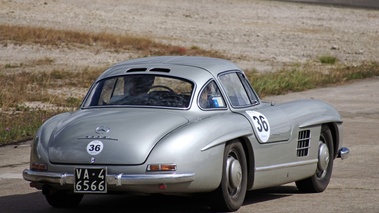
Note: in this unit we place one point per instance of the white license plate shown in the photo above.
(90, 180)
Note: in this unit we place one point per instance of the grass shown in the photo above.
(18, 88)
(66, 38)
(327, 59)
(19, 121)
(300, 79)
(21, 125)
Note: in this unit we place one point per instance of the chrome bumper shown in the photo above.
(343, 153)
(112, 179)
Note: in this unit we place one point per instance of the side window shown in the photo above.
(106, 92)
(113, 89)
(252, 96)
(234, 89)
(210, 97)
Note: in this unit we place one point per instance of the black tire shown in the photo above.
(232, 190)
(320, 180)
(63, 199)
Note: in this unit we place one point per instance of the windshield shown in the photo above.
(141, 90)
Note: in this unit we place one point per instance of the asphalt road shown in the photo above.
(353, 187)
(372, 4)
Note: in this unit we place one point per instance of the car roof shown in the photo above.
(199, 66)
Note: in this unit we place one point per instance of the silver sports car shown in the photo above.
(183, 125)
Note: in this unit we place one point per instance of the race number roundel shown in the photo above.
(261, 125)
(95, 147)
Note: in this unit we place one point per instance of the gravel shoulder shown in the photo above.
(261, 35)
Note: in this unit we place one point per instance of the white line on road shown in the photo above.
(11, 176)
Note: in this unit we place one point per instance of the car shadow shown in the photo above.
(35, 202)
(267, 194)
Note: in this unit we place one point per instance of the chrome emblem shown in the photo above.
(102, 130)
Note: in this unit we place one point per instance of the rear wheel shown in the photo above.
(232, 190)
(320, 180)
(63, 199)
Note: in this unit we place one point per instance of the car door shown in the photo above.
(269, 123)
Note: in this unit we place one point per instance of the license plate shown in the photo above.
(90, 180)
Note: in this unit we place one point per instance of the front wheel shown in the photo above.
(320, 180)
(232, 190)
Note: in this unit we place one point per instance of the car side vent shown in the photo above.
(137, 70)
(303, 143)
(160, 70)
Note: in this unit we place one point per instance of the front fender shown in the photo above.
(306, 113)
(321, 120)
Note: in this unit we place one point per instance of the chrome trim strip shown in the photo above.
(97, 137)
(123, 179)
(343, 153)
(112, 179)
(285, 165)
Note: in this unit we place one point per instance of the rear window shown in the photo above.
(141, 90)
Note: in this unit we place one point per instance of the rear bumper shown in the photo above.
(343, 153)
(112, 179)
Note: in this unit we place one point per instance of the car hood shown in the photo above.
(110, 136)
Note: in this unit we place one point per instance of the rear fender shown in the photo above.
(198, 147)
(41, 139)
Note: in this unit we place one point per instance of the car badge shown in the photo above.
(92, 160)
(102, 130)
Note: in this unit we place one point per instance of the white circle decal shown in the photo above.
(261, 125)
(95, 147)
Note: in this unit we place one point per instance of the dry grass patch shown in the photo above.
(17, 88)
(53, 37)
(304, 78)
(27, 99)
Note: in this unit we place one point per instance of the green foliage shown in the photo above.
(20, 126)
(284, 81)
(13, 65)
(73, 102)
(327, 59)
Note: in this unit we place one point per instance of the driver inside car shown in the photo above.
(136, 88)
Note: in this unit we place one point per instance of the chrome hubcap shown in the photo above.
(323, 157)
(234, 172)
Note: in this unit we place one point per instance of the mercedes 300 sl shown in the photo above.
(183, 125)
